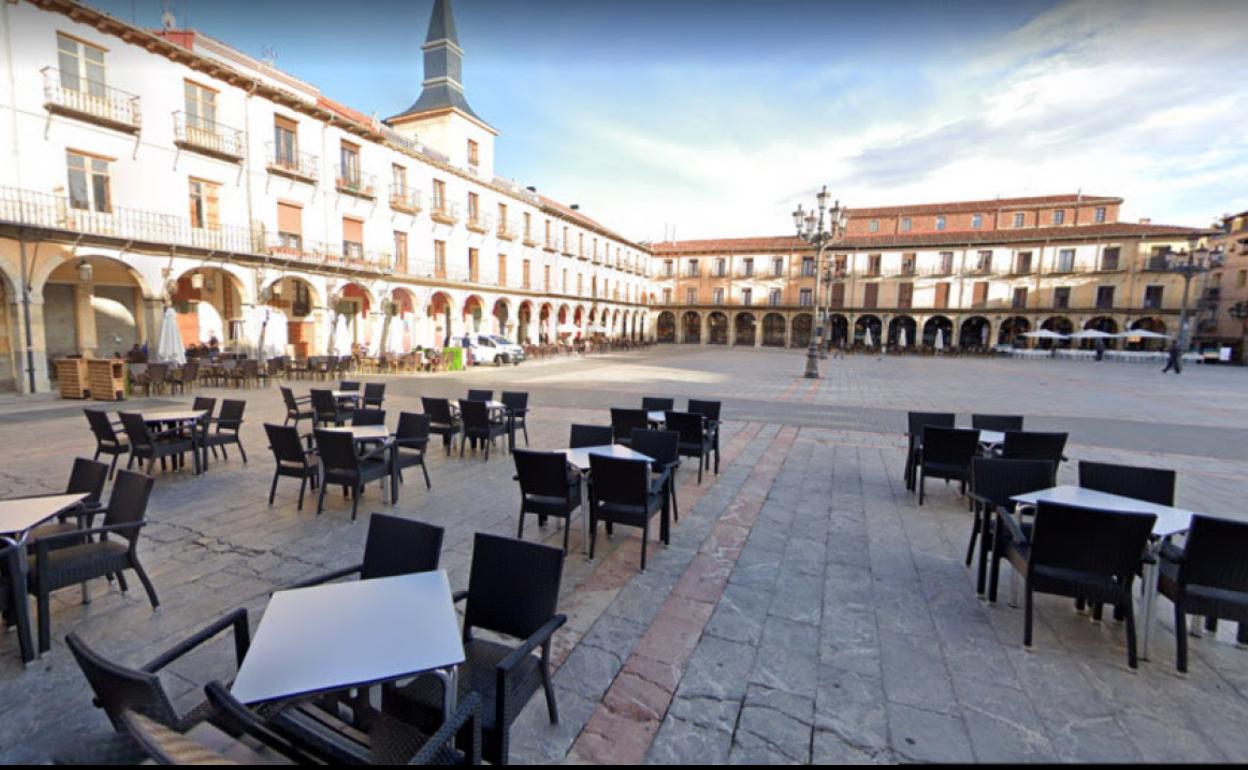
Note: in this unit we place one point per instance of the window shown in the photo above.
(349, 165)
(1109, 258)
(290, 226)
(400, 251)
(747, 296)
(721, 267)
(747, 267)
(694, 271)
(838, 295)
(439, 259)
(979, 294)
(439, 195)
(905, 294)
(871, 295)
(1104, 297)
(691, 296)
(398, 180)
(977, 221)
(546, 277)
(580, 284)
(873, 264)
(908, 261)
(804, 297)
(352, 238)
(1019, 219)
(1022, 262)
(88, 183)
(946, 263)
(1066, 260)
(502, 269)
(940, 223)
(204, 199)
(474, 265)
(1059, 216)
(983, 262)
(717, 296)
(1019, 301)
(502, 217)
(474, 213)
(905, 224)
(201, 107)
(808, 266)
(528, 226)
(1061, 297)
(840, 262)
(873, 226)
(81, 65)
(667, 296)
(777, 267)
(1152, 297)
(525, 269)
(668, 268)
(473, 153)
(1100, 215)
(942, 295)
(285, 142)
(1241, 279)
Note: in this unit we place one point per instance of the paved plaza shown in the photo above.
(807, 610)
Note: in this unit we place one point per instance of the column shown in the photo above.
(84, 319)
(38, 344)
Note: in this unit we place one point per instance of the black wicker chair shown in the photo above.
(663, 447)
(341, 465)
(710, 410)
(946, 454)
(694, 441)
(87, 477)
(201, 746)
(998, 422)
(297, 408)
(652, 404)
(916, 422)
(1082, 553)
(547, 488)
(513, 590)
(205, 404)
(590, 435)
(75, 557)
(107, 440)
(374, 395)
(326, 409)
(412, 439)
(292, 460)
(517, 404)
(349, 385)
(1208, 576)
(153, 446)
(228, 428)
(1156, 485)
(623, 492)
(1032, 445)
(625, 421)
(480, 395)
(368, 417)
(478, 426)
(394, 546)
(442, 422)
(994, 484)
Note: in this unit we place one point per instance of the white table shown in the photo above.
(991, 438)
(580, 458)
(1170, 521)
(353, 634)
(659, 418)
(381, 435)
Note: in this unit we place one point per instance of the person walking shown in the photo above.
(1175, 359)
(1099, 346)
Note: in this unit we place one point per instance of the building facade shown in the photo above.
(976, 273)
(151, 169)
(1226, 295)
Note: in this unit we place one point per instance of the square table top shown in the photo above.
(350, 634)
(1170, 521)
(991, 437)
(347, 393)
(24, 513)
(580, 456)
(364, 432)
(656, 416)
(174, 415)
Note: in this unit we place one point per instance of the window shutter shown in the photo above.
(212, 197)
(289, 218)
(352, 230)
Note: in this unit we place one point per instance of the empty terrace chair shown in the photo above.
(107, 440)
(394, 546)
(1082, 553)
(513, 591)
(623, 492)
(480, 395)
(87, 477)
(56, 565)
(204, 404)
(1031, 445)
(297, 408)
(412, 439)
(694, 441)
(226, 429)
(162, 746)
(994, 484)
(947, 454)
(478, 426)
(915, 422)
(342, 466)
(1156, 485)
(652, 404)
(149, 445)
(663, 447)
(443, 422)
(998, 422)
(348, 385)
(518, 413)
(625, 421)
(710, 410)
(589, 435)
(1208, 576)
(547, 488)
(326, 409)
(374, 395)
(292, 460)
(368, 417)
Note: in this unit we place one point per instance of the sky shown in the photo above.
(715, 118)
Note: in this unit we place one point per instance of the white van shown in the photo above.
(491, 349)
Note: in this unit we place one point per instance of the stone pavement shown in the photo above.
(806, 610)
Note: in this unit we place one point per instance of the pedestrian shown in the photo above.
(1099, 345)
(1175, 359)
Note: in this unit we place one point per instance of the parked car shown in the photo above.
(492, 349)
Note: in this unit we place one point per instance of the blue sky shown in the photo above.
(716, 117)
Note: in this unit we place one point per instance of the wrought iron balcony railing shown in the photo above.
(444, 212)
(71, 94)
(355, 182)
(191, 132)
(296, 165)
(405, 199)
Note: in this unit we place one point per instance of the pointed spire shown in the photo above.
(442, 87)
(442, 23)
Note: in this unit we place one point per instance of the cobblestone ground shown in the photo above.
(806, 610)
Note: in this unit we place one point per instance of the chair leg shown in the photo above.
(1180, 638)
(970, 546)
(645, 538)
(356, 492)
(552, 708)
(241, 451)
(1027, 620)
(303, 483)
(273, 488)
(145, 580)
(320, 499)
(922, 485)
(593, 536)
(424, 470)
(520, 528)
(567, 527)
(112, 468)
(1128, 612)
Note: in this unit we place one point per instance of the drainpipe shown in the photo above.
(25, 289)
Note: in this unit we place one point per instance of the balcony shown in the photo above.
(207, 137)
(444, 213)
(979, 270)
(506, 230)
(299, 166)
(405, 200)
(528, 240)
(478, 222)
(552, 244)
(352, 182)
(98, 104)
(1060, 269)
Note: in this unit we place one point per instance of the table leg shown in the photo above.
(20, 602)
(1148, 598)
(585, 517)
(450, 690)
(394, 474)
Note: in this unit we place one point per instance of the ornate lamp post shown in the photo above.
(813, 228)
(1189, 264)
(1239, 311)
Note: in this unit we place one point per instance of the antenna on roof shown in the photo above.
(268, 55)
(167, 20)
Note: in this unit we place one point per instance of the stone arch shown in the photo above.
(1012, 329)
(975, 332)
(473, 315)
(121, 311)
(210, 303)
(691, 327)
(666, 327)
(501, 318)
(896, 326)
(865, 323)
(440, 313)
(775, 330)
(1101, 323)
(838, 329)
(743, 329)
(938, 323)
(717, 328)
(801, 330)
(1060, 324)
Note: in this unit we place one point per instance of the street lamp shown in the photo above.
(818, 231)
(1195, 261)
(1239, 311)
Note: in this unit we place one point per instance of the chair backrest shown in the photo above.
(513, 585)
(690, 426)
(348, 385)
(590, 435)
(413, 426)
(323, 402)
(136, 429)
(661, 445)
(368, 417)
(285, 443)
(288, 396)
(398, 546)
(620, 481)
(1000, 480)
(1031, 445)
(1108, 543)
(625, 421)
(474, 413)
(515, 400)
(101, 426)
(337, 450)
(118, 689)
(1216, 554)
(652, 404)
(127, 504)
(480, 395)
(190, 371)
(437, 408)
(916, 421)
(375, 391)
(87, 478)
(950, 446)
(157, 372)
(708, 409)
(205, 403)
(542, 473)
(232, 412)
(997, 422)
(1156, 485)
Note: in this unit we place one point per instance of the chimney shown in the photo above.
(1146, 220)
(531, 189)
(575, 207)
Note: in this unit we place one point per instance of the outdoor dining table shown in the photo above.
(991, 438)
(18, 517)
(357, 633)
(190, 417)
(579, 457)
(656, 418)
(1170, 521)
(376, 434)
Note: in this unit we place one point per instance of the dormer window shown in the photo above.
(940, 223)
(473, 153)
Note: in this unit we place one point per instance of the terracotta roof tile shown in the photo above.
(962, 207)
